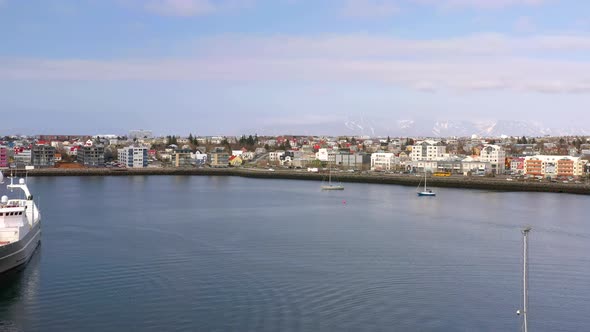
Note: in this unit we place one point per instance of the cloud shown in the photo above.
(188, 8)
(524, 24)
(480, 4)
(471, 63)
(369, 9)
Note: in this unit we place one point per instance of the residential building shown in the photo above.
(517, 166)
(235, 161)
(453, 166)
(22, 158)
(496, 156)
(427, 150)
(357, 161)
(91, 156)
(3, 156)
(422, 166)
(182, 158)
(554, 166)
(383, 161)
(218, 159)
(322, 154)
(43, 156)
(134, 156)
(475, 167)
(275, 156)
(200, 158)
(248, 155)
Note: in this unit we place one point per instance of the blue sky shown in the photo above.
(289, 66)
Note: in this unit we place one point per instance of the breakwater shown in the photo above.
(499, 183)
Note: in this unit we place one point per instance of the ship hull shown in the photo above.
(18, 253)
(332, 188)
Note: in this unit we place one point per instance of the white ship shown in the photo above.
(20, 225)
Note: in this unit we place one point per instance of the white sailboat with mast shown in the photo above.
(426, 191)
(330, 185)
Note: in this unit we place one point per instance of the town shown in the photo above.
(563, 159)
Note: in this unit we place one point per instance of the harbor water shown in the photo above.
(205, 253)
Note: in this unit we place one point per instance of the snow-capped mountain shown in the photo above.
(447, 128)
(366, 126)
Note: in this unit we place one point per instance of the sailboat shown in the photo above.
(331, 186)
(426, 192)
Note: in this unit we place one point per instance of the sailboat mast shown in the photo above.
(329, 171)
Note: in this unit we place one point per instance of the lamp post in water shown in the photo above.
(524, 311)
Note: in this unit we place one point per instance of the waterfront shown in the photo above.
(189, 253)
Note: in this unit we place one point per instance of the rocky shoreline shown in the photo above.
(499, 184)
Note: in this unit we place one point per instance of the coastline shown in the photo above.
(496, 184)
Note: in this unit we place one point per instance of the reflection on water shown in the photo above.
(162, 253)
(19, 291)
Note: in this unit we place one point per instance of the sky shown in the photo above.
(232, 67)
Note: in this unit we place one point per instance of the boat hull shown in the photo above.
(18, 253)
(426, 193)
(332, 188)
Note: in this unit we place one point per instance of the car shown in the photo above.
(271, 169)
(509, 179)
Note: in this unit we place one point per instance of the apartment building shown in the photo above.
(43, 156)
(383, 161)
(496, 156)
(554, 166)
(3, 156)
(91, 156)
(134, 156)
(427, 150)
(358, 161)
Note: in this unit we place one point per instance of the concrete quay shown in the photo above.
(485, 183)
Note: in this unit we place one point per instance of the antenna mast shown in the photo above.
(524, 312)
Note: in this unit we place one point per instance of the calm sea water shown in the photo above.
(234, 254)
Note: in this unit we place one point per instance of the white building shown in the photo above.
(383, 161)
(134, 156)
(322, 154)
(495, 155)
(427, 150)
(275, 155)
(140, 134)
(476, 167)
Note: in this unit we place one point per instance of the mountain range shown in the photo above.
(448, 128)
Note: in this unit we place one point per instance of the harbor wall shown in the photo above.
(499, 184)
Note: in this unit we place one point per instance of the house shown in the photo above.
(235, 161)
(517, 166)
(275, 156)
